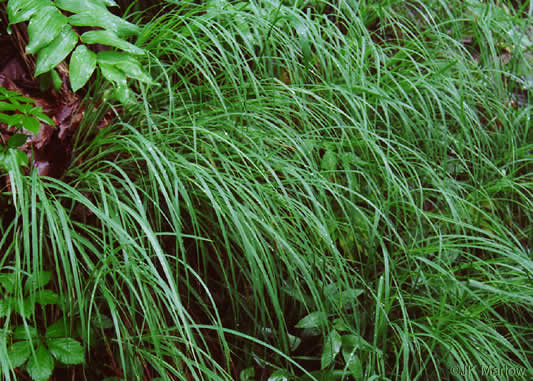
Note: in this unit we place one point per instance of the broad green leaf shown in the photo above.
(103, 322)
(56, 80)
(313, 320)
(331, 349)
(4, 118)
(106, 37)
(105, 20)
(113, 74)
(279, 375)
(44, 27)
(22, 98)
(135, 72)
(18, 353)
(330, 375)
(56, 51)
(123, 94)
(329, 161)
(45, 297)
(56, 330)
(331, 291)
(20, 157)
(340, 325)
(81, 67)
(44, 118)
(349, 296)
(354, 342)
(112, 58)
(78, 6)
(31, 124)
(25, 108)
(37, 281)
(22, 10)
(41, 365)
(66, 350)
(13, 96)
(247, 374)
(352, 293)
(17, 140)
(20, 333)
(12, 120)
(353, 363)
(27, 307)
(294, 342)
(126, 63)
(4, 106)
(6, 306)
(8, 281)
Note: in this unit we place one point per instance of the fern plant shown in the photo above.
(53, 38)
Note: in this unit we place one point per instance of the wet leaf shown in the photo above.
(313, 320)
(45, 297)
(37, 281)
(56, 330)
(6, 306)
(126, 63)
(66, 350)
(22, 10)
(27, 308)
(12, 120)
(353, 363)
(82, 65)
(18, 353)
(329, 161)
(247, 374)
(294, 342)
(105, 20)
(20, 333)
(8, 280)
(279, 375)
(56, 51)
(106, 37)
(331, 349)
(123, 94)
(78, 6)
(113, 74)
(44, 27)
(41, 365)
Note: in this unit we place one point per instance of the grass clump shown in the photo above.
(315, 190)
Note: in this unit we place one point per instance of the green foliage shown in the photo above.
(28, 348)
(21, 114)
(52, 38)
(368, 182)
(338, 340)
